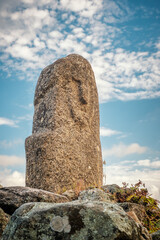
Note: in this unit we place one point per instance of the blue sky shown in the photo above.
(121, 40)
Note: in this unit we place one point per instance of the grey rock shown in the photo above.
(135, 211)
(4, 219)
(70, 194)
(77, 220)
(156, 235)
(12, 198)
(64, 150)
(113, 188)
(95, 194)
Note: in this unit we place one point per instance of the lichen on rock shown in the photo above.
(59, 224)
(77, 220)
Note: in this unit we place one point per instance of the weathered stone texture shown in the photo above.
(95, 194)
(112, 188)
(136, 211)
(4, 219)
(77, 220)
(64, 148)
(156, 235)
(12, 198)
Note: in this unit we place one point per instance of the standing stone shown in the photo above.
(64, 149)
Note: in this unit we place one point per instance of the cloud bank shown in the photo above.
(106, 132)
(6, 160)
(8, 122)
(12, 178)
(121, 150)
(36, 33)
(124, 173)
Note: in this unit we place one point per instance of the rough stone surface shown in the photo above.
(156, 235)
(64, 148)
(70, 194)
(77, 220)
(113, 188)
(136, 211)
(95, 194)
(12, 198)
(4, 219)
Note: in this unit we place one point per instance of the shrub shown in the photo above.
(138, 193)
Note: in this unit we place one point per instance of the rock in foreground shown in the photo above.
(136, 211)
(77, 220)
(4, 218)
(95, 194)
(12, 198)
(156, 235)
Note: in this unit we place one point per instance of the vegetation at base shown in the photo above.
(138, 193)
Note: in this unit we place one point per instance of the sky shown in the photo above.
(121, 40)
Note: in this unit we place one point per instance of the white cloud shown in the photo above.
(158, 45)
(121, 150)
(39, 44)
(37, 36)
(56, 34)
(86, 8)
(10, 144)
(27, 107)
(13, 123)
(41, 3)
(149, 163)
(118, 174)
(6, 160)
(70, 45)
(126, 75)
(12, 178)
(28, 1)
(79, 33)
(27, 117)
(8, 122)
(20, 51)
(72, 5)
(106, 132)
(31, 15)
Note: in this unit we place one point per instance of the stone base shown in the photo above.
(61, 160)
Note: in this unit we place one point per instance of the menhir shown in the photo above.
(64, 149)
